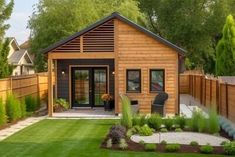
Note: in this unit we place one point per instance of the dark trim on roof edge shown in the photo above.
(122, 18)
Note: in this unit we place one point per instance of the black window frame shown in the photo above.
(150, 80)
(133, 91)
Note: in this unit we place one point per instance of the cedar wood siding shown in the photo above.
(136, 50)
(63, 80)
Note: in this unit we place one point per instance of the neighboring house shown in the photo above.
(20, 59)
(115, 56)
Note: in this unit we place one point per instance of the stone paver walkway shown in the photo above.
(181, 138)
(4, 133)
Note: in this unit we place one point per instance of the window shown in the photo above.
(133, 81)
(157, 78)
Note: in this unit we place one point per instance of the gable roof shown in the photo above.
(13, 40)
(123, 19)
(16, 57)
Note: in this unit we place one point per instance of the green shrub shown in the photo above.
(150, 147)
(213, 122)
(141, 142)
(202, 124)
(145, 130)
(229, 148)
(63, 103)
(3, 117)
(223, 143)
(206, 149)
(180, 121)
(163, 142)
(129, 133)
(172, 147)
(13, 108)
(122, 144)
(109, 143)
(178, 130)
(163, 130)
(194, 143)
(168, 122)
(23, 108)
(197, 122)
(32, 103)
(126, 119)
(136, 120)
(155, 121)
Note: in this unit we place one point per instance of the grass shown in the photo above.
(68, 138)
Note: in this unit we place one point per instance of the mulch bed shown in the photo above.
(132, 146)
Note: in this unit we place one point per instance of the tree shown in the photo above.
(225, 50)
(191, 24)
(55, 20)
(5, 13)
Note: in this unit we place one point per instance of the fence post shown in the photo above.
(226, 96)
(201, 89)
(11, 84)
(210, 92)
(38, 86)
(217, 97)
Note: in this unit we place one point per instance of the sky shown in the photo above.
(19, 19)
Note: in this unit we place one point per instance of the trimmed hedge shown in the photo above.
(32, 103)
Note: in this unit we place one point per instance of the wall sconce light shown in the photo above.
(63, 72)
(113, 72)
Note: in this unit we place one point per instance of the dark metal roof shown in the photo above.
(122, 18)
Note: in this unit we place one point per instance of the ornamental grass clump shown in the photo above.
(3, 117)
(13, 108)
(126, 119)
(213, 122)
(197, 122)
(168, 122)
(180, 121)
(155, 121)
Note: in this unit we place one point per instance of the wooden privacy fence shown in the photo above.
(210, 92)
(21, 86)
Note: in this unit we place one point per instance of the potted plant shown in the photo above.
(107, 101)
(60, 105)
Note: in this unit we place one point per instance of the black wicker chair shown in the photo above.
(158, 103)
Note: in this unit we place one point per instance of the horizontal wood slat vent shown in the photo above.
(100, 39)
(71, 46)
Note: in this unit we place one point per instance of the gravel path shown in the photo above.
(181, 138)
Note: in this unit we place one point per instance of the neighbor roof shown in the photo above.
(17, 55)
(121, 18)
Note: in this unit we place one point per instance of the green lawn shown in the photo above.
(60, 138)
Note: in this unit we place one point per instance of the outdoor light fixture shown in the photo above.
(63, 72)
(113, 72)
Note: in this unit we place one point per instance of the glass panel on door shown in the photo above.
(100, 86)
(81, 87)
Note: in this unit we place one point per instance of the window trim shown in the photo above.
(133, 91)
(150, 79)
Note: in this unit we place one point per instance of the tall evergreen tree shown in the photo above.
(225, 50)
(5, 13)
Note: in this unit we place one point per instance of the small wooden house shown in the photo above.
(115, 56)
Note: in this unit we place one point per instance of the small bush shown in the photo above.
(62, 103)
(109, 143)
(145, 131)
(197, 122)
(163, 142)
(178, 130)
(135, 129)
(122, 144)
(163, 130)
(168, 122)
(150, 147)
(207, 149)
(116, 133)
(172, 147)
(126, 119)
(3, 117)
(136, 120)
(194, 143)
(13, 108)
(141, 142)
(155, 121)
(223, 143)
(229, 148)
(180, 121)
(129, 133)
(213, 122)
(32, 103)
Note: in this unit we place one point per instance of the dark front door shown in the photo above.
(88, 85)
